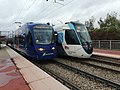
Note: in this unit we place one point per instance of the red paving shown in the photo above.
(10, 77)
(114, 52)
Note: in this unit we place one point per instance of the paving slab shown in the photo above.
(10, 77)
(36, 78)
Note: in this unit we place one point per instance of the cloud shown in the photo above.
(42, 11)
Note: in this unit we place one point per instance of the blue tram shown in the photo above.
(36, 41)
(73, 40)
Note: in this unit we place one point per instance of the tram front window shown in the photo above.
(71, 37)
(83, 33)
(43, 36)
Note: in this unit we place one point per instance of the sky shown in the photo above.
(53, 11)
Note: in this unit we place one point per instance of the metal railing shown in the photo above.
(106, 44)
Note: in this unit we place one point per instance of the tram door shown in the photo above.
(29, 43)
(72, 43)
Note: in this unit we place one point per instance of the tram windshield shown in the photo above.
(71, 37)
(43, 35)
(82, 33)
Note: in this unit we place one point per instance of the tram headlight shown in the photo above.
(53, 48)
(40, 49)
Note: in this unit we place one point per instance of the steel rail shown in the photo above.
(86, 63)
(98, 66)
(112, 62)
(71, 85)
(113, 84)
(57, 77)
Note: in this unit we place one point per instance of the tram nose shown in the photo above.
(88, 47)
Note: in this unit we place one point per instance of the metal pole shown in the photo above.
(18, 23)
(110, 44)
(60, 21)
(99, 43)
(0, 39)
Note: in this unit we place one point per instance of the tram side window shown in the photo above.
(15, 39)
(29, 38)
(71, 37)
(21, 39)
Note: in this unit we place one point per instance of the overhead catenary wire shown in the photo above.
(29, 8)
(48, 7)
(55, 10)
(17, 16)
(26, 3)
(44, 10)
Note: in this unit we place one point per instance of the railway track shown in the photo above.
(99, 63)
(80, 73)
(106, 59)
(57, 77)
(115, 67)
(101, 71)
(77, 83)
(103, 64)
(90, 75)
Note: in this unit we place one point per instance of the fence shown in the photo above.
(106, 44)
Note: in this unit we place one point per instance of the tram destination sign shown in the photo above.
(40, 26)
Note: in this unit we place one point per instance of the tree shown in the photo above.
(101, 23)
(90, 23)
(111, 21)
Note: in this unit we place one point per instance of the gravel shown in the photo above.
(115, 77)
(82, 81)
(105, 58)
(105, 65)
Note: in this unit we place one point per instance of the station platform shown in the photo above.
(107, 53)
(17, 73)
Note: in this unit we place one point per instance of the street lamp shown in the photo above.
(18, 23)
(60, 21)
(58, 2)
